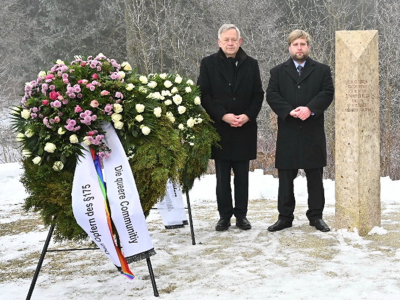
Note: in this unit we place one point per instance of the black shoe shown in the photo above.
(243, 223)
(223, 224)
(320, 225)
(279, 225)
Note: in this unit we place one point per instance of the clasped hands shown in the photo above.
(302, 112)
(235, 120)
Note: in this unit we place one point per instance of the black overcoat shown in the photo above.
(300, 144)
(220, 94)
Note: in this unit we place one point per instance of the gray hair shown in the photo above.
(226, 27)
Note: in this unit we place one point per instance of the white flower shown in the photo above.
(177, 99)
(60, 62)
(190, 123)
(118, 108)
(116, 117)
(181, 126)
(163, 75)
(25, 114)
(126, 66)
(167, 84)
(181, 109)
(139, 108)
(86, 142)
(146, 130)
(42, 74)
(168, 102)
(143, 79)
(166, 93)
(61, 131)
(73, 139)
(20, 137)
(50, 147)
(152, 84)
(37, 160)
(121, 74)
(191, 144)
(58, 166)
(157, 95)
(29, 133)
(143, 90)
(129, 87)
(178, 79)
(198, 120)
(118, 125)
(190, 82)
(170, 116)
(188, 89)
(139, 118)
(174, 90)
(197, 100)
(157, 112)
(26, 153)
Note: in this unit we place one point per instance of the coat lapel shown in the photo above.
(309, 67)
(241, 69)
(291, 70)
(221, 66)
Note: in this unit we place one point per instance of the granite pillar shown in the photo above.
(357, 131)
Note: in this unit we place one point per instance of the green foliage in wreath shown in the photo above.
(158, 118)
(50, 194)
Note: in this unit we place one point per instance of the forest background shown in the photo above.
(172, 36)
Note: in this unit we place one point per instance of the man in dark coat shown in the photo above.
(299, 91)
(232, 95)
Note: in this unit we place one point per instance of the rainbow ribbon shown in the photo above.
(124, 265)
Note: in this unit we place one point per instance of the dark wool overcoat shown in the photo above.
(222, 94)
(300, 144)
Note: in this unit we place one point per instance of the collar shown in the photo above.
(296, 64)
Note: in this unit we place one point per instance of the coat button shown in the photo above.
(298, 86)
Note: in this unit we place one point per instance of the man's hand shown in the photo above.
(302, 112)
(234, 120)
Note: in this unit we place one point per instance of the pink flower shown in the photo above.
(83, 64)
(50, 76)
(91, 133)
(95, 76)
(78, 109)
(56, 103)
(45, 102)
(108, 107)
(94, 103)
(54, 95)
(105, 93)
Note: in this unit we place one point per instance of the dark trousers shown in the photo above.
(241, 187)
(316, 197)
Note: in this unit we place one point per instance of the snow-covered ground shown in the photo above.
(296, 263)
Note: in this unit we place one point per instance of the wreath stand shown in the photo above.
(190, 218)
(45, 250)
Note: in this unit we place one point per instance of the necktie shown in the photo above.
(299, 69)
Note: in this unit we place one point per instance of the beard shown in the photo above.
(299, 58)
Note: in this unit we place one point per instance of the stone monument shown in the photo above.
(357, 132)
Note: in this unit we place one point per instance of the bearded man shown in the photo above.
(299, 91)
